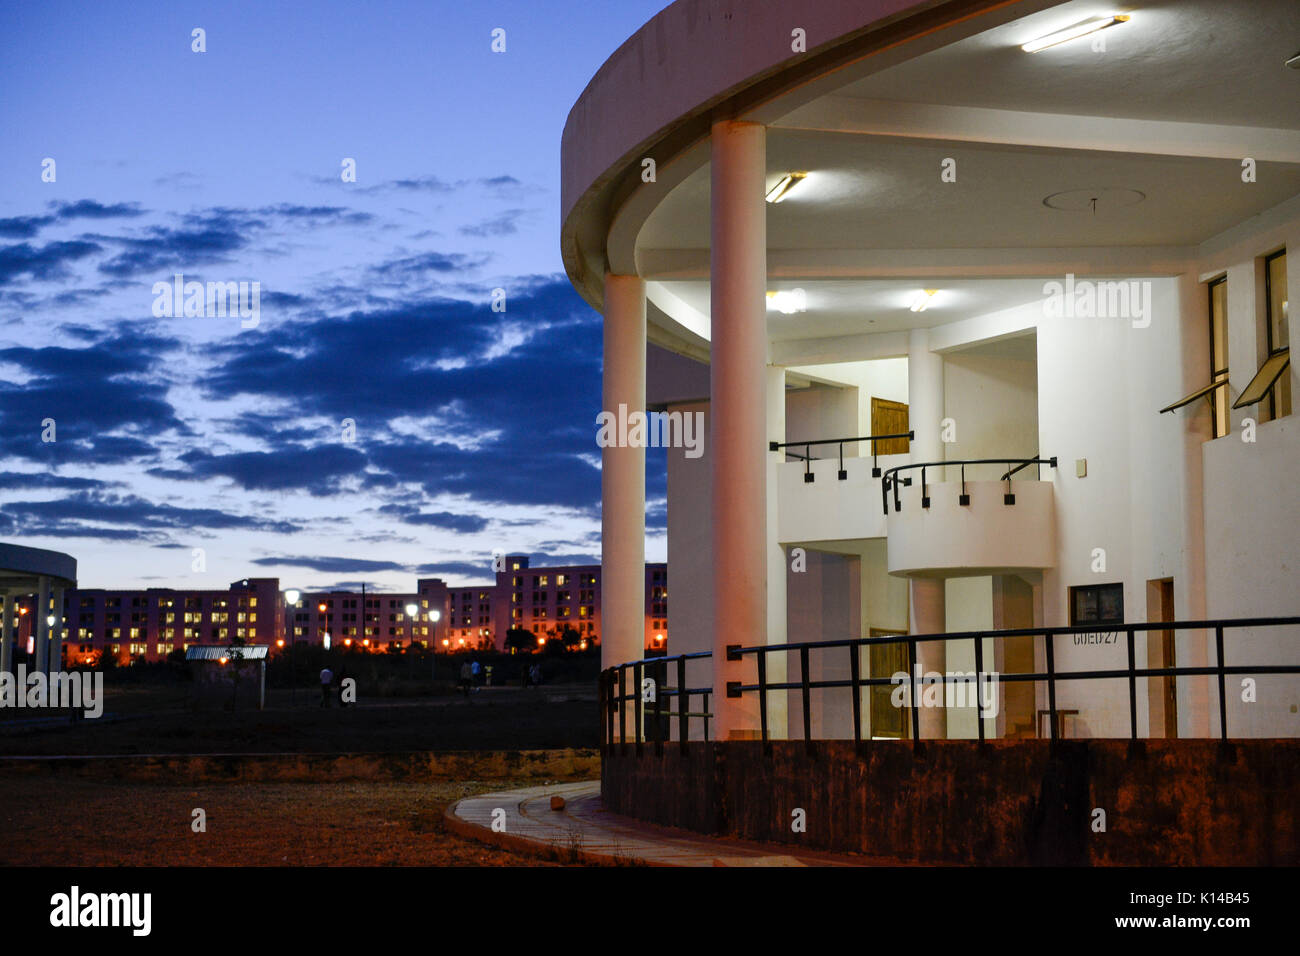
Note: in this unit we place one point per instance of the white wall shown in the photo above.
(993, 402)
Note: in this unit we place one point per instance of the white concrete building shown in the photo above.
(826, 220)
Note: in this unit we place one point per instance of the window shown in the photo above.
(1097, 604)
(1219, 354)
(1276, 332)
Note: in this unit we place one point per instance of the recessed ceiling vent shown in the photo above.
(1094, 200)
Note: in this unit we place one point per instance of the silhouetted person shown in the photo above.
(326, 679)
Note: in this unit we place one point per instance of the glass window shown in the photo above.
(1219, 353)
(1278, 336)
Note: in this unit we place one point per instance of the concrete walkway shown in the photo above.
(585, 832)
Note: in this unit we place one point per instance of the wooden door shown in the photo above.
(889, 418)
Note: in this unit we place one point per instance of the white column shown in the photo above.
(777, 562)
(926, 595)
(7, 636)
(622, 477)
(928, 611)
(56, 633)
(738, 402)
(42, 627)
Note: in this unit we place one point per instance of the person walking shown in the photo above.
(326, 679)
(466, 678)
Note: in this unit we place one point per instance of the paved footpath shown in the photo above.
(584, 831)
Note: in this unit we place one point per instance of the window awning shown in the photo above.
(1268, 373)
(1200, 392)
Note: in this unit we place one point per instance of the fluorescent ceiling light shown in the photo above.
(921, 300)
(1081, 29)
(787, 301)
(784, 185)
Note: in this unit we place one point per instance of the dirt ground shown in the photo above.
(93, 823)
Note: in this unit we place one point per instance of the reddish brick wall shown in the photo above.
(1167, 802)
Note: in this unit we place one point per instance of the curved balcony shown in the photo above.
(962, 527)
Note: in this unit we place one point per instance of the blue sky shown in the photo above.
(474, 429)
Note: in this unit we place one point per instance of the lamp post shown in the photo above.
(435, 615)
(413, 615)
(291, 601)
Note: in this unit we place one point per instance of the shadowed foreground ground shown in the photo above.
(93, 823)
(497, 719)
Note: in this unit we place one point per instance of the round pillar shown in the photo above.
(622, 477)
(738, 405)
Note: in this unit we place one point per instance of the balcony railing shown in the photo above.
(807, 458)
(893, 479)
(614, 695)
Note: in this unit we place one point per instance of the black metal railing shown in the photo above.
(843, 475)
(893, 478)
(1220, 670)
(614, 697)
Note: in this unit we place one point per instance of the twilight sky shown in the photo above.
(474, 429)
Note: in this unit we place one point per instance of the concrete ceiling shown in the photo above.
(870, 192)
(1155, 127)
(1195, 61)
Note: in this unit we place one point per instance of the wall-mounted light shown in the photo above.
(1081, 29)
(921, 301)
(784, 185)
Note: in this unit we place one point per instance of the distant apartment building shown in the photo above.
(151, 623)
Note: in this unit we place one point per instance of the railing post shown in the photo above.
(911, 676)
(707, 711)
(979, 697)
(807, 697)
(762, 695)
(855, 674)
(1051, 684)
(683, 704)
(622, 709)
(1223, 700)
(636, 703)
(1132, 688)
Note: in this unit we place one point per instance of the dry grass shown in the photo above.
(73, 822)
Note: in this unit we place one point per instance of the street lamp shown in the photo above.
(435, 616)
(291, 597)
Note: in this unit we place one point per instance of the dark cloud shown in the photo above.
(23, 227)
(48, 262)
(14, 480)
(330, 564)
(321, 470)
(128, 517)
(538, 398)
(505, 224)
(467, 524)
(462, 568)
(413, 267)
(89, 209)
(104, 398)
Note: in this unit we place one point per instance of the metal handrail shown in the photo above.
(808, 476)
(1051, 675)
(891, 479)
(611, 702)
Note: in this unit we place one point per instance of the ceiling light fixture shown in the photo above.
(787, 301)
(921, 301)
(1081, 29)
(784, 185)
